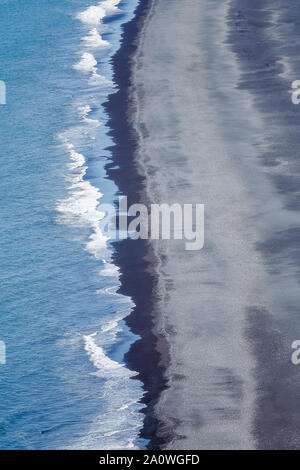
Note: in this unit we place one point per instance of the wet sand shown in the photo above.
(206, 99)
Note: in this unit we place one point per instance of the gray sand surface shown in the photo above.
(199, 136)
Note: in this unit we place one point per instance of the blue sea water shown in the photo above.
(65, 383)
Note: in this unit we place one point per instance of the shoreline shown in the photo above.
(135, 258)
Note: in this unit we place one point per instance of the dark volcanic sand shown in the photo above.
(135, 257)
(215, 125)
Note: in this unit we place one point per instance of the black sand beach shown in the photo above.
(204, 115)
(265, 39)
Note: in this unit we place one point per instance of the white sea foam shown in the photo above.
(112, 290)
(119, 420)
(98, 80)
(80, 208)
(84, 110)
(100, 360)
(111, 7)
(95, 41)
(82, 204)
(110, 325)
(110, 270)
(78, 159)
(94, 14)
(118, 425)
(88, 65)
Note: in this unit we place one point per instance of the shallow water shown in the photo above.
(65, 383)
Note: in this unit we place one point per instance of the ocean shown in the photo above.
(65, 383)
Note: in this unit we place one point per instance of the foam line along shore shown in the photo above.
(117, 426)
